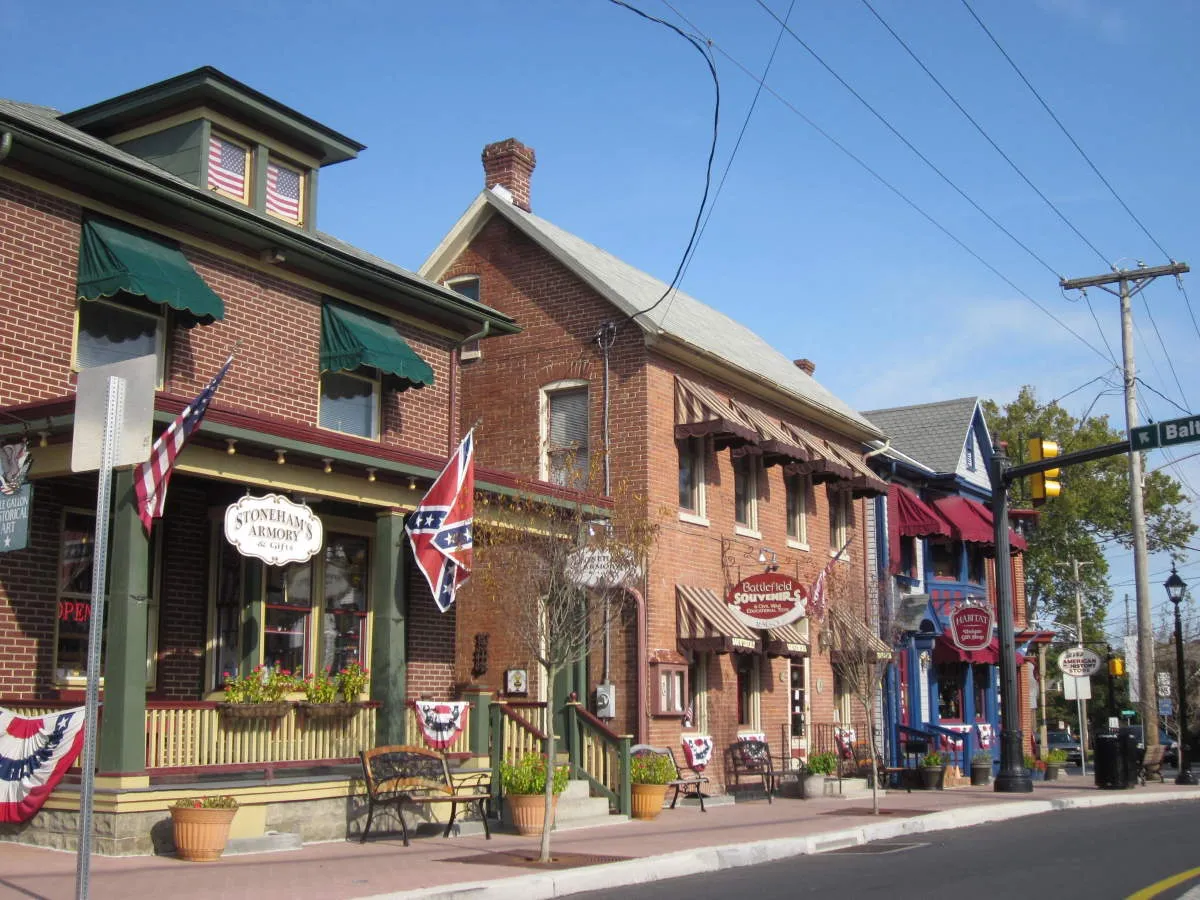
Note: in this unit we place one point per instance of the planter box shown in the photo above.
(338, 710)
(816, 786)
(274, 710)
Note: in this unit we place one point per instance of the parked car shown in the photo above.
(1170, 746)
(1062, 740)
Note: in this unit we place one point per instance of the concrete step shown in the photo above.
(577, 788)
(270, 842)
(581, 807)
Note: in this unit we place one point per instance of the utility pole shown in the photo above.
(1127, 631)
(1130, 282)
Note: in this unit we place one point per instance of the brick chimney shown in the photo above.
(509, 164)
(806, 365)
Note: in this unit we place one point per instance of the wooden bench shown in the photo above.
(399, 776)
(752, 759)
(1152, 764)
(682, 783)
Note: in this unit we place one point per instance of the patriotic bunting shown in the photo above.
(442, 721)
(35, 753)
(440, 527)
(697, 749)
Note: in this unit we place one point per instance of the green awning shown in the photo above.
(116, 258)
(351, 338)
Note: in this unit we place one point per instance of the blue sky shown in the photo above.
(803, 244)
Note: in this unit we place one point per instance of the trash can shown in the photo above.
(1132, 753)
(1109, 765)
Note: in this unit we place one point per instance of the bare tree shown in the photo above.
(562, 585)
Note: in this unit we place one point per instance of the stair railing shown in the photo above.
(600, 756)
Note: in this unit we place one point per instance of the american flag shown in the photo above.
(226, 166)
(283, 191)
(440, 528)
(151, 477)
(816, 594)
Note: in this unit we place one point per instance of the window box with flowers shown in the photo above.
(260, 695)
(329, 696)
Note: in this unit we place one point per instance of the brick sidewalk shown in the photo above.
(342, 870)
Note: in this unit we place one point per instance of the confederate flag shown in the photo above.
(440, 528)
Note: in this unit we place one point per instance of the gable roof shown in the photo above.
(930, 433)
(680, 318)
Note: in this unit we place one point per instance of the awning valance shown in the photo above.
(821, 464)
(774, 444)
(945, 651)
(115, 258)
(699, 413)
(909, 516)
(970, 520)
(848, 634)
(706, 624)
(787, 640)
(352, 338)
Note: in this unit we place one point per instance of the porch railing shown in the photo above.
(942, 740)
(514, 733)
(600, 756)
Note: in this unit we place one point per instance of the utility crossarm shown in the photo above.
(1139, 274)
(1067, 459)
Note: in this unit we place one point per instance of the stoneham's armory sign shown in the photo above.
(768, 600)
(273, 529)
(971, 627)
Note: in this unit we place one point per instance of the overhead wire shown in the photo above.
(1163, 345)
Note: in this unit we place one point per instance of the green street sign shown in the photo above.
(1179, 431)
(1128, 713)
(1144, 437)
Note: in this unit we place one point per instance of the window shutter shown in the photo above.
(568, 425)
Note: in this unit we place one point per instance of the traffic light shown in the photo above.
(1043, 485)
(1116, 667)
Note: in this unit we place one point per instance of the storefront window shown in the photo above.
(949, 692)
(287, 617)
(797, 698)
(944, 557)
(980, 679)
(697, 689)
(345, 627)
(227, 614)
(975, 563)
(745, 665)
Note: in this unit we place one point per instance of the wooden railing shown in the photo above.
(461, 744)
(514, 735)
(600, 756)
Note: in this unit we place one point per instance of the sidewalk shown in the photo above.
(679, 842)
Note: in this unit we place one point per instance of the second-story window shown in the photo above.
(691, 475)
(797, 509)
(350, 404)
(468, 286)
(285, 191)
(840, 513)
(970, 453)
(229, 168)
(110, 332)
(745, 493)
(565, 459)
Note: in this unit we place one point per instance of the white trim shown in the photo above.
(796, 545)
(697, 448)
(742, 531)
(693, 519)
(554, 387)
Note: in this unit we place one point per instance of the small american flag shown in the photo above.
(226, 166)
(283, 192)
(151, 477)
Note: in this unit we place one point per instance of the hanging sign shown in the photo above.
(273, 529)
(14, 518)
(768, 600)
(971, 627)
(1079, 661)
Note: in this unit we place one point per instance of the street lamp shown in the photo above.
(1175, 589)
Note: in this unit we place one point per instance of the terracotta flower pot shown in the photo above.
(528, 812)
(200, 834)
(647, 800)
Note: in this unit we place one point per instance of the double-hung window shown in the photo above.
(691, 476)
(350, 403)
(565, 459)
(797, 510)
(745, 493)
(468, 286)
(840, 515)
(111, 331)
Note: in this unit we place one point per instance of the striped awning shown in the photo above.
(774, 444)
(700, 413)
(821, 464)
(706, 623)
(863, 482)
(847, 633)
(788, 640)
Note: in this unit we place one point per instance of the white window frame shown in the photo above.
(159, 318)
(473, 349)
(696, 448)
(797, 524)
(839, 522)
(376, 403)
(699, 690)
(546, 392)
(748, 528)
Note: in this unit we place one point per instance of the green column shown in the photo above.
(479, 724)
(122, 744)
(389, 652)
(252, 615)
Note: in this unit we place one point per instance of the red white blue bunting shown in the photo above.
(985, 736)
(697, 748)
(845, 737)
(35, 753)
(442, 721)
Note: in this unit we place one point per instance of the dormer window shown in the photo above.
(229, 168)
(285, 191)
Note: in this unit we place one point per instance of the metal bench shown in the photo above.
(1152, 764)
(752, 759)
(398, 776)
(682, 783)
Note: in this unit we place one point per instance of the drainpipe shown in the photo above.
(881, 449)
(453, 403)
(605, 338)
(6, 143)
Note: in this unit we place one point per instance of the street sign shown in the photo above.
(1128, 713)
(1077, 688)
(1079, 661)
(1165, 434)
(1163, 680)
(1166, 707)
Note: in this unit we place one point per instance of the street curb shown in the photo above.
(701, 860)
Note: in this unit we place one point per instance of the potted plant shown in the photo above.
(322, 693)
(201, 827)
(933, 771)
(649, 774)
(1056, 761)
(818, 767)
(981, 768)
(525, 791)
(1035, 767)
(261, 694)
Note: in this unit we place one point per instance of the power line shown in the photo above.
(907, 143)
(1162, 344)
(1188, 301)
(1157, 392)
(980, 129)
(912, 204)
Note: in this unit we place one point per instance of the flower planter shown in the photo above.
(274, 710)
(528, 812)
(647, 800)
(933, 777)
(200, 834)
(336, 710)
(1053, 771)
(981, 774)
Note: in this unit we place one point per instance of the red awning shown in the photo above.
(909, 516)
(946, 651)
(971, 521)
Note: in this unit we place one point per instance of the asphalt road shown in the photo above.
(1110, 852)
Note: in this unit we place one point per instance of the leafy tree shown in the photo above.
(1092, 513)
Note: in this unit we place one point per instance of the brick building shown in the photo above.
(744, 461)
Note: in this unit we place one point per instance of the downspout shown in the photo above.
(452, 431)
(605, 337)
(6, 143)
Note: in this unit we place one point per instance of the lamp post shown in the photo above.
(1175, 590)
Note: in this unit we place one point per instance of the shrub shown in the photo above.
(1056, 756)
(207, 803)
(981, 757)
(262, 685)
(528, 776)
(651, 768)
(933, 759)
(822, 763)
(352, 681)
(320, 688)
